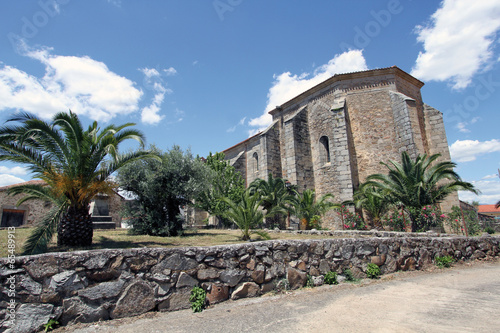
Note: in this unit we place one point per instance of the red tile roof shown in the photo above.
(488, 209)
(30, 182)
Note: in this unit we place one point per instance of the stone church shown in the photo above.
(334, 135)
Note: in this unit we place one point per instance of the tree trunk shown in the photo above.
(174, 221)
(75, 228)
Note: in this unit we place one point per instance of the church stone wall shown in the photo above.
(333, 136)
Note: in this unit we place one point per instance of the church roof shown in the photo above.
(394, 70)
(336, 78)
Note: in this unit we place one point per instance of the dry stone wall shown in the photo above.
(89, 286)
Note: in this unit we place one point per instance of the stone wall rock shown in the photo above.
(68, 286)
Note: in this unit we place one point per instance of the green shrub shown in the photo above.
(489, 230)
(348, 275)
(197, 299)
(444, 261)
(331, 278)
(455, 221)
(372, 271)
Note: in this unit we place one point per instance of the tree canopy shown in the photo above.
(160, 188)
(225, 182)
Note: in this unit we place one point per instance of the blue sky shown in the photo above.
(203, 74)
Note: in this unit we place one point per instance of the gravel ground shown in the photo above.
(465, 298)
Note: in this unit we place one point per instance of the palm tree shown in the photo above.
(309, 210)
(246, 214)
(75, 165)
(372, 200)
(274, 195)
(415, 184)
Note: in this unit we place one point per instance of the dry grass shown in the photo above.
(120, 238)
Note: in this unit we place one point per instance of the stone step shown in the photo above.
(98, 218)
(104, 225)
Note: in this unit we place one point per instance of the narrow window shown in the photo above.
(256, 162)
(324, 150)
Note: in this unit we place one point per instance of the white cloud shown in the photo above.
(152, 79)
(468, 150)
(10, 180)
(287, 86)
(458, 41)
(492, 176)
(170, 71)
(475, 120)
(117, 3)
(150, 114)
(15, 170)
(490, 192)
(84, 85)
(149, 72)
(179, 115)
(240, 123)
(462, 127)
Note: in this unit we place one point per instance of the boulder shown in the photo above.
(137, 298)
(208, 274)
(296, 278)
(318, 280)
(232, 277)
(67, 281)
(76, 311)
(247, 289)
(103, 290)
(176, 301)
(217, 293)
(31, 317)
(259, 274)
(185, 280)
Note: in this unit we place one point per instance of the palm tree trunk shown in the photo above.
(75, 228)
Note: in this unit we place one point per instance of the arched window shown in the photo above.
(256, 161)
(324, 150)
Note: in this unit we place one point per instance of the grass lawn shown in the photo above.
(120, 238)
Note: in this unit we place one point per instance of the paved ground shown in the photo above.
(465, 298)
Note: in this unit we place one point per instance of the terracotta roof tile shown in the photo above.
(30, 182)
(488, 209)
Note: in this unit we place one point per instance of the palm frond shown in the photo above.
(41, 236)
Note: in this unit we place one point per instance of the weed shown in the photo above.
(309, 282)
(372, 271)
(51, 324)
(197, 299)
(348, 275)
(282, 285)
(444, 261)
(331, 278)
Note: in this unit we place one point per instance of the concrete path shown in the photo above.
(465, 298)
